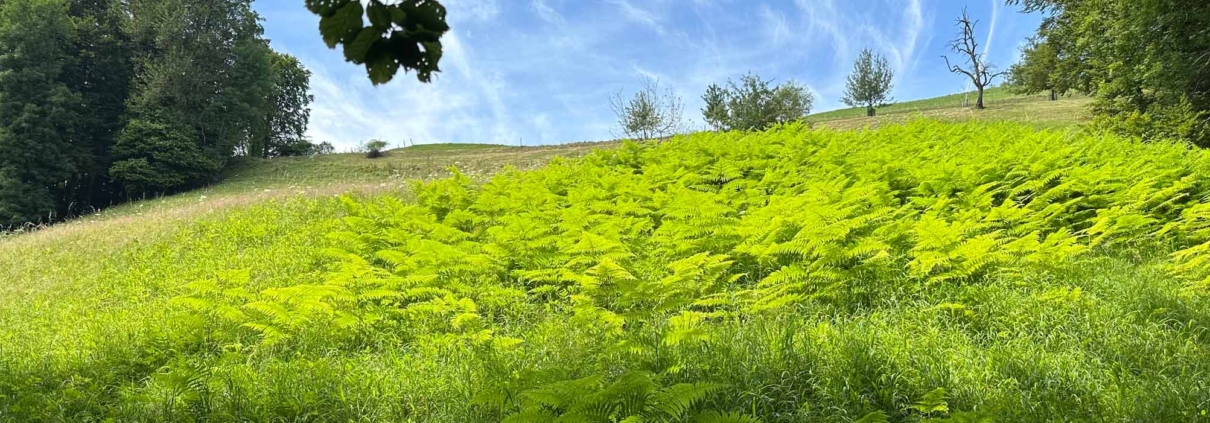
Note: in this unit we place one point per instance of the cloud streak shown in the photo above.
(991, 28)
(638, 15)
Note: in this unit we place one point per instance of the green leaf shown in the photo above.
(875, 417)
(356, 50)
(382, 70)
(932, 402)
(380, 15)
(341, 26)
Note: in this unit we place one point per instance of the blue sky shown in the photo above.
(541, 71)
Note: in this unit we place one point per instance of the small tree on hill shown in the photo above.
(374, 148)
(977, 69)
(754, 104)
(715, 111)
(649, 114)
(869, 85)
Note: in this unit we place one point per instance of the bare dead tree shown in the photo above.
(979, 71)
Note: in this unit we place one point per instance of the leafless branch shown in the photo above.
(977, 69)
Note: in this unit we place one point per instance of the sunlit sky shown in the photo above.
(541, 71)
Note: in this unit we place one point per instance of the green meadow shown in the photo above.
(920, 271)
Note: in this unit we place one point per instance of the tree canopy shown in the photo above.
(103, 100)
(1038, 71)
(1144, 60)
(755, 104)
(870, 83)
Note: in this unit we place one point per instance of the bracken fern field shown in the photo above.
(918, 272)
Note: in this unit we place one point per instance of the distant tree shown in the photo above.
(39, 113)
(791, 102)
(977, 69)
(755, 104)
(321, 148)
(212, 90)
(715, 111)
(249, 100)
(869, 85)
(649, 113)
(403, 34)
(374, 148)
(1038, 70)
(290, 109)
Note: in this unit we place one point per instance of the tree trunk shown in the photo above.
(869, 112)
(979, 101)
(1053, 96)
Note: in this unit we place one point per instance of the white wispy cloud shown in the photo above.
(481, 10)
(638, 15)
(347, 113)
(825, 20)
(547, 13)
(902, 46)
(488, 84)
(991, 28)
(775, 24)
(897, 29)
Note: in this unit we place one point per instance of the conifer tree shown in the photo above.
(715, 111)
(39, 114)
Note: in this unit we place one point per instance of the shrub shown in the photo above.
(1180, 121)
(156, 157)
(755, 104)
(374, 148)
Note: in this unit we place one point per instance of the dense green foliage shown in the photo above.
(401, 34)
(869, 85)
(39, 113)
(919, 272)
(1038, 71)
(755, 104)
(102, 100)
(291, 99)
(1145, 60)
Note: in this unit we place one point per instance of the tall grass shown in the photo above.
(918, 272)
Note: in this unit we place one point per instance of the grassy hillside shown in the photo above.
(923, 271)
(250, 181)
(1002, 105)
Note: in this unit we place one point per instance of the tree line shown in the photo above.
(106, 100)
(1146, 62)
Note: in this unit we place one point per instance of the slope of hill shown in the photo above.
(1002, 105)
(926, 270)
